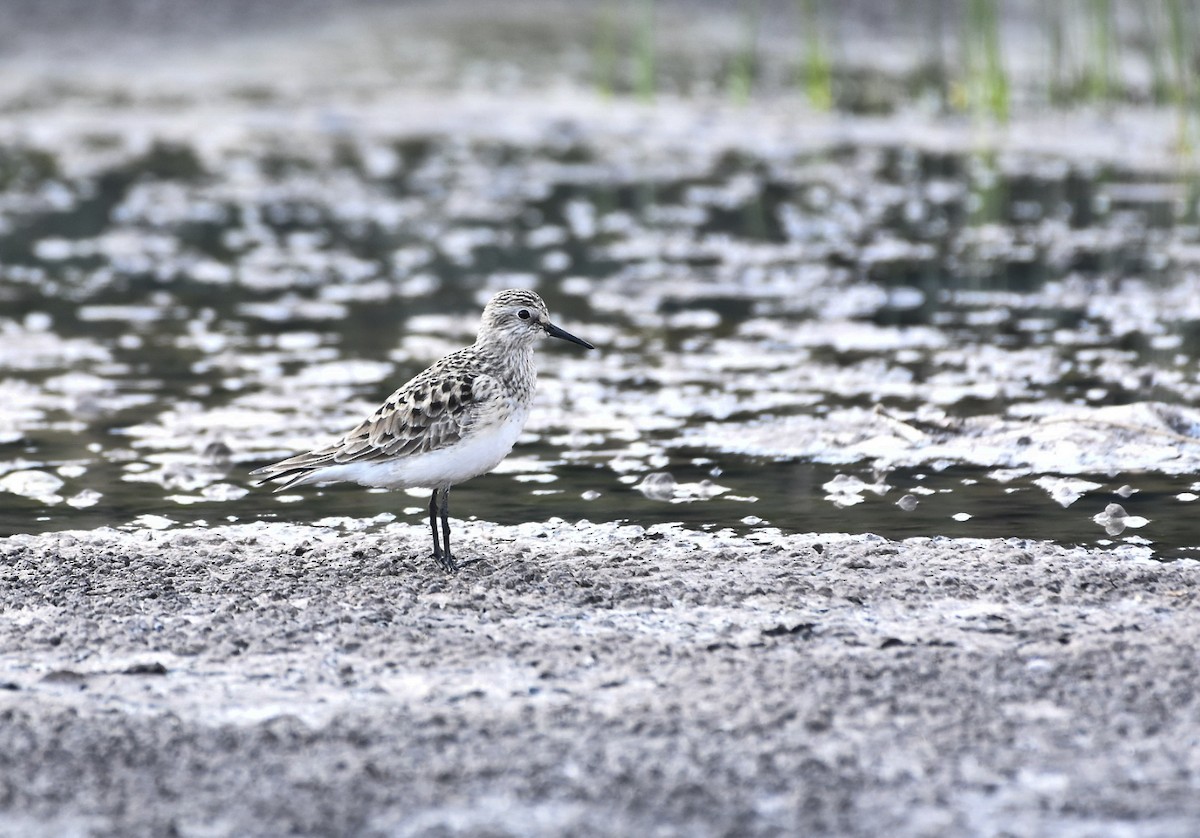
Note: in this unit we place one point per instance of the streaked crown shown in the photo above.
(514, 315)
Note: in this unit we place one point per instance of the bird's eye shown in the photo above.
(523, 314)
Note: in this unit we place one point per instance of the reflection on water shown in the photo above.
(869, 338)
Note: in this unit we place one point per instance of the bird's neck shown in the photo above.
(512, 363)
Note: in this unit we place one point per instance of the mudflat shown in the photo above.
(268, 679)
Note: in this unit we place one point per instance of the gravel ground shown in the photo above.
(591, 679)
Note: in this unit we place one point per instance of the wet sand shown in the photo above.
(591, 679)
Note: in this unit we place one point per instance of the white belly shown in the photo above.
(470, 457)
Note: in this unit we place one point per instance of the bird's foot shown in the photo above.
(445, 560)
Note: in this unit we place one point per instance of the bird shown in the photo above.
(455, 420)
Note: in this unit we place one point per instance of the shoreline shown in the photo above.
(271, 678)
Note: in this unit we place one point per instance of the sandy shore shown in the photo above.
(591, 679)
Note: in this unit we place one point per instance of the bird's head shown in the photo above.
(520, 316)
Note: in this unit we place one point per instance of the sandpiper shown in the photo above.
(456, 420)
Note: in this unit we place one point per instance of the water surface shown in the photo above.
(816, 331)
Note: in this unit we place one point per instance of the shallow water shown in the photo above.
(960, 330)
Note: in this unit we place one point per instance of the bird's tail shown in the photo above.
(294, 471)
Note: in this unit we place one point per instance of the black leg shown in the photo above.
(433, 506)
(448, 562)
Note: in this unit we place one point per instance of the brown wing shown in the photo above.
(430, 411)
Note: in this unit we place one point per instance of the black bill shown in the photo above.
(555, 332)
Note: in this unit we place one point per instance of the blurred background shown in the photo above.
(857, 56)
(917, 268)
